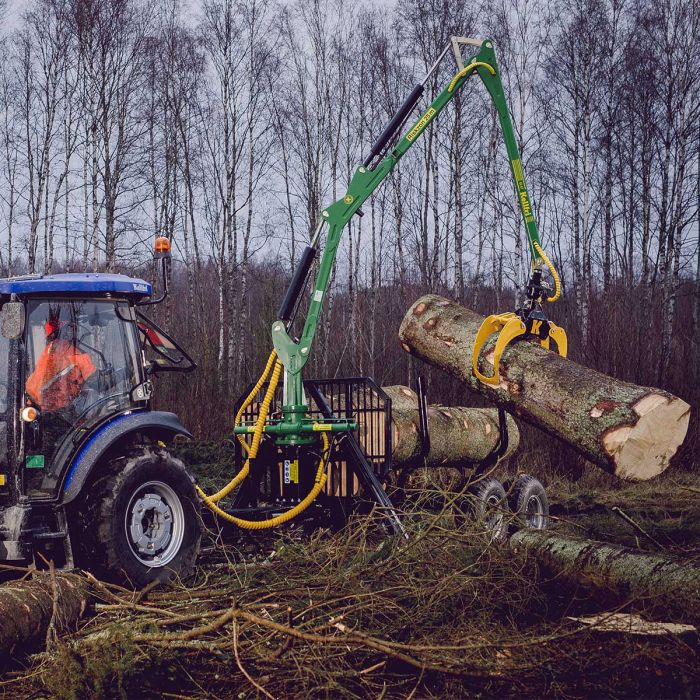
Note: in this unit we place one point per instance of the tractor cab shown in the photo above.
(76, 360)
(79, 363)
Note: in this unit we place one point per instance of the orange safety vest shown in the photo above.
(59, 375)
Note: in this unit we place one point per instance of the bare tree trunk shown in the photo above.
(612, 574)
(459, 205)
(27, 609)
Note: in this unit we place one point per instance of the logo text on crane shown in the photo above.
(522, 192)
(421, 124)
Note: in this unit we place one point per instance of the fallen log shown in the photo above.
(628, 430)
(459, 436)
(28, 608)
(615, 574)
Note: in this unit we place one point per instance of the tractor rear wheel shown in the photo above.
(140, 522)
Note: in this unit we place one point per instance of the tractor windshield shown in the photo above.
(81, 357)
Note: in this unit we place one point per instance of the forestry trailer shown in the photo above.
(86, 475)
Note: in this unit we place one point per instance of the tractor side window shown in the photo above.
(81, 363)
(162, 352)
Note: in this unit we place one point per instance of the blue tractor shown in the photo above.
(86, 474)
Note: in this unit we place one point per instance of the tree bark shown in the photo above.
(615, 574)
(628, 430)
(27, 609)
(459, 436)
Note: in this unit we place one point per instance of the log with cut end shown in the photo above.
(28, 607)
(459, 436)
(628, 430)
(615, 574)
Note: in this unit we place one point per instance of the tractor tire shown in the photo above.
(140, 522)
(529, 502)
(487, 504)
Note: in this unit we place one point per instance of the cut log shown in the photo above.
(459, 436)
(615, 574)
(27, 609)
(628, 430)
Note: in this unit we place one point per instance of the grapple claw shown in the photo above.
(558, 335)
(508, 326)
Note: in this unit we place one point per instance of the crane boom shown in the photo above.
(365, 181)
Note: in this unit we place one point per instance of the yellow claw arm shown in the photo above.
(508, 326)
(558, 335)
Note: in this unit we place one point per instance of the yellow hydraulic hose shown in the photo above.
(259, 426)
(251, 397)
(552, 270)
(252, 451)
(468, 69)
(319, 483)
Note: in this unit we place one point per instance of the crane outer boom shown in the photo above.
(363, 184)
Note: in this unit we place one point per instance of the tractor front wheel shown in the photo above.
(140, 521)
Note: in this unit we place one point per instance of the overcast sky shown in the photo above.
(15, 7)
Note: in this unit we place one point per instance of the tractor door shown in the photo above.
(7, 409)
(82, 363)
(162, 353)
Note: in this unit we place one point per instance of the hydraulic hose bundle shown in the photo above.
(275, 366)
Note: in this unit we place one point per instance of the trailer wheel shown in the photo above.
(140, 522)
(489, 506)
(529, 502)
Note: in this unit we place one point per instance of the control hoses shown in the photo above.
(252, 451)
(552, 271)
(319, 483)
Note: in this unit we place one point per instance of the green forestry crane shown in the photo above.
(295, 428)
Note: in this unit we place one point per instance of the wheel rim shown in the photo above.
(155, 524)
(493, 521)
(534, 513)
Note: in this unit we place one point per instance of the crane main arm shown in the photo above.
(365, 181)
(296, 429)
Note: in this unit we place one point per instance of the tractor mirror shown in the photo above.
(12, 320)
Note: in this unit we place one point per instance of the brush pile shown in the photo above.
(352, 614)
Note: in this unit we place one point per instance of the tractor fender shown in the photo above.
(158, 424)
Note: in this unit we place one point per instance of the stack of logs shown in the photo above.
(459, 436)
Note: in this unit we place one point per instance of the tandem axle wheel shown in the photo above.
(493, 505)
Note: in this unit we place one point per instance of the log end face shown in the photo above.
(644, 450)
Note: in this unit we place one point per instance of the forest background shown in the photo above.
(227, 126)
